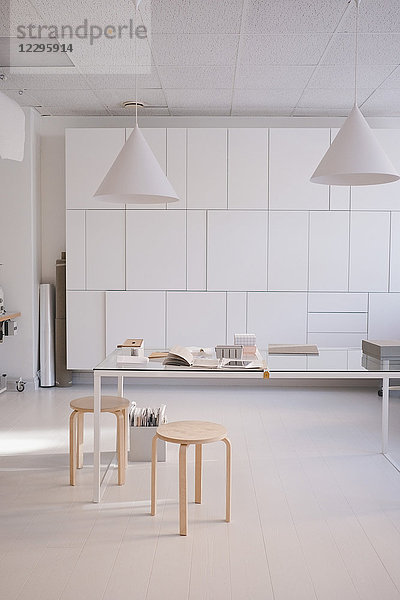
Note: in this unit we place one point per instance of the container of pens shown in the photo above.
(143, 424)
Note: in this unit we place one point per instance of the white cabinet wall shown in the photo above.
(251, 245)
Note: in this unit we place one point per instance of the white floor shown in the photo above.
(315, 511)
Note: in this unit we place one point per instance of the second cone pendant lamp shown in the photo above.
(135, 177)
(355, 156)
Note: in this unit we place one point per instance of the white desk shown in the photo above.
(332, 363)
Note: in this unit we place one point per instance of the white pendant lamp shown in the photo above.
(355, 156)
(136, 177)
(12, 129)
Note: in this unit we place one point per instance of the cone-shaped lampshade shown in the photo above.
(355, 157)
(12, 129)
(136, 177)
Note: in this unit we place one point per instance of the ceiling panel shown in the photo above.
(72, 111)
(196, 77)
(375, 17)
(282, 49)
(272, 77)
(288, 16)
(383, 102)
(196, 16)
(195, 49)
(342, 76)
(196, 112)
(374, 49)
(337, 99)
(109, 79)
(25, 99)
(202, 99)
(71, 79)
(266, 101)
(392, 82)
(67, 98)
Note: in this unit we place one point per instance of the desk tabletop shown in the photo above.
(329, 360)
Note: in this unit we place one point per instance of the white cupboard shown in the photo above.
(86, 329)
(105, 250)
(288, 251)
(207, 168)
(294, 155)
(329, 251)
(89, 154)
(76, 250)
(248, 168)
(196, 318)
(369, 251)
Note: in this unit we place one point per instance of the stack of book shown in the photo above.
(381, 355)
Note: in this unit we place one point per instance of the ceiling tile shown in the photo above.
(270, 77)
(109, 79)
(71, 80)
(196, 77)
(113, 98)
(375, 17)
(72, 111)
(373, 49)
(338, 99)
(14, 13)
(196, 16)
(282, 49)
(25, 99)
(199, 98)
(265, 101)
(323, 112)
(193, 112)
(261, 112)
(67, 98)
(392, 82)
(288, 16)
(197, 50)
(382, 103)
(342, 76)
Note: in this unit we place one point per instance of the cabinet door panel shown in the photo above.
(395, 252)
(332, 322)
(369, 252)
(105, 250)
(329, 251)
(196, 250)
(89, 153)
(288, 251)
(337, 302)
(176, 164)
(76, 251)
(248, 168)
(384, 317)
(237, 250)
(135, 315)
(196, 318)
(381, 197)
(85, 329)
(294, 156)
(277, 317)
(156, 250)
(236, 314)
(207, 168)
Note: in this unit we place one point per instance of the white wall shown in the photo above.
(20, 251)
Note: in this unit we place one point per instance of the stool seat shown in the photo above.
(186, 433)
(191, 432)
(108, 404)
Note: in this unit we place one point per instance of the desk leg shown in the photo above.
(385, 414)
(96, 448)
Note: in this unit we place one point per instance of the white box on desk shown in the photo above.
(140, 449)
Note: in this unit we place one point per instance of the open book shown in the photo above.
(181, 356)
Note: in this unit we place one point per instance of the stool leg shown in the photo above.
(183, 512)
(120, 447)
(197, 485)
(72, 447)
(153, 474)
(79, 453)
(228, 478)
(126, 433)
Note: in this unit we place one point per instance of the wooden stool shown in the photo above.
(112, 404)
(186, 433)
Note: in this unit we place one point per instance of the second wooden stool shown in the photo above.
(112, 404)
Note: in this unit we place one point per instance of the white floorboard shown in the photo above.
(315, 507)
